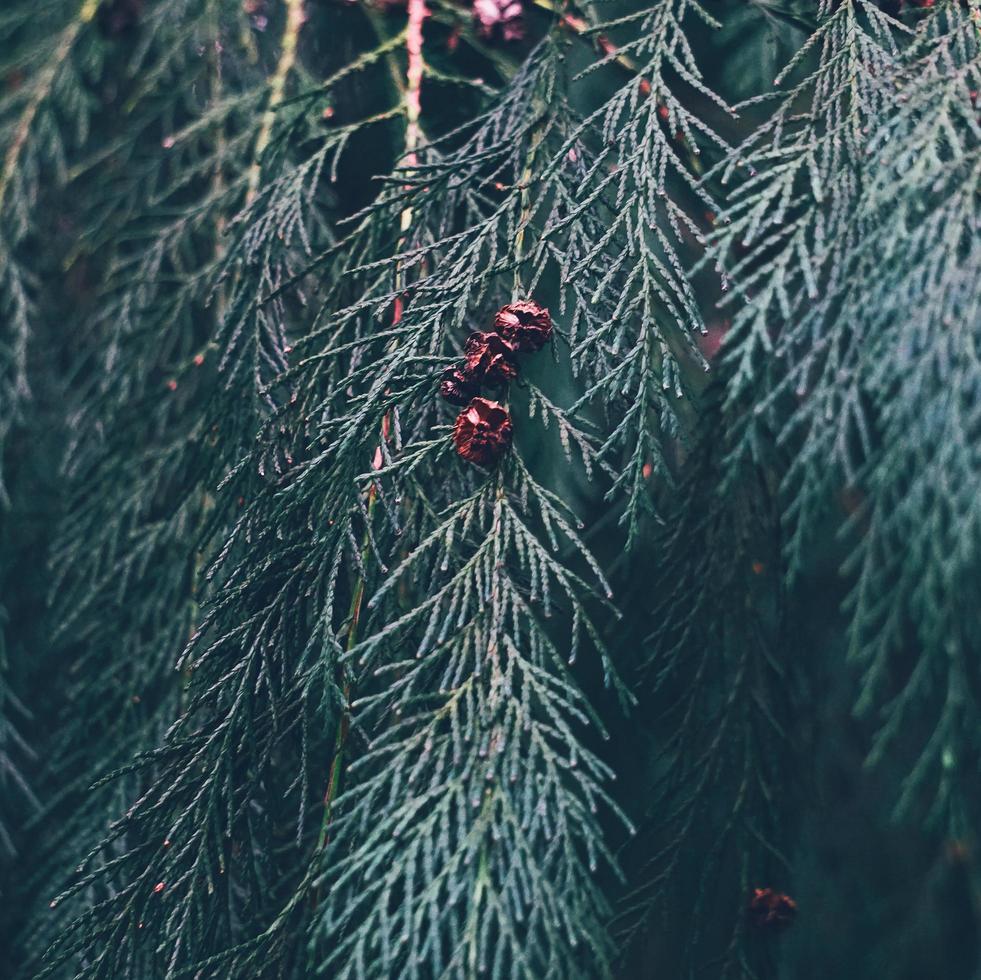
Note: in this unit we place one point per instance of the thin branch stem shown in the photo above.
(295, 19)
(579, 25)
(417, 14)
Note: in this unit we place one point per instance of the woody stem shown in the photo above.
(417, 13)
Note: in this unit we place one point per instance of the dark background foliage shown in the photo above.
(288, 688)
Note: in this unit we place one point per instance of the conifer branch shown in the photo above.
(846, 266)
(42, 86)
(383, 751)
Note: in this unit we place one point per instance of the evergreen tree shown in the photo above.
(363, 618)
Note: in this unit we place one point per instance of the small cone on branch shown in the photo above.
(482, 433)
(525, 325)
(500, 16)
(489, 359)
(457, 385)
(771, 911)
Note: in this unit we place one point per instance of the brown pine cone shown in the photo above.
(525, 325)
(771, 911)
(457, 385)
(482, 432)
(490, 359)
(504, 17)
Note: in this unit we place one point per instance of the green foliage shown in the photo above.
(920, 542)
(43, 114)
(859, 229)
(351, 706)
(722, 758)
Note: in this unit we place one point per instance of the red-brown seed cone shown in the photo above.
(457, 385)
(489, 359)
(771, 911)
(499, 16)
(482, 432)
(525, 325)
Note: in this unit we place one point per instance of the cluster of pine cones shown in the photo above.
(483, 430)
